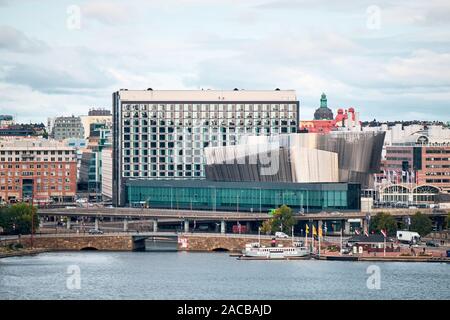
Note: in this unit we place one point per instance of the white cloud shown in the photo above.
(14, 40)
(309, 46)
(107, 12)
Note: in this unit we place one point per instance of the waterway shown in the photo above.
(182, 275)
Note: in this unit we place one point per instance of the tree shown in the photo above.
(383, 221)
(17, 219)
(266, 227)
(421, 224)
(282, 220)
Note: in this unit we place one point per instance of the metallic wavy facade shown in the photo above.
(309, 157)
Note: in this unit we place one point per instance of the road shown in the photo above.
(219, 215)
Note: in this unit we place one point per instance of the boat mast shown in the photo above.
(318, 235)
(292, 235)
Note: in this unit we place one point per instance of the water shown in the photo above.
(182, 275)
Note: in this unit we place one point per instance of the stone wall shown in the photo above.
(98, 242)
(189, 242)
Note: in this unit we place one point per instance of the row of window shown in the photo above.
(398, 151)
(210, 107)
(163, 152)
(213, 131)
(210, 116)
(438, 166)
(38, 189)
(32, 166)
(398, 158)
(51, 159)
(447, 173)
(438, 159)
(437, 180)
(439, 151)
(38, 152)
(31, 173)
(196, 174)
(213, 124)
(145, 160)
(38, 181)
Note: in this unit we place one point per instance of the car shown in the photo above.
(281, 235)
(432, 244)
(95, 231)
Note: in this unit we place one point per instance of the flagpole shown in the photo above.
(306, 235)
(340, 251)
(319, 244)
(292, 235)
(384, 247)
(259, 236)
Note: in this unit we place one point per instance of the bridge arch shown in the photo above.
(89, 248)
(220, 249)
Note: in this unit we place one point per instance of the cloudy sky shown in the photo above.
(389, 59)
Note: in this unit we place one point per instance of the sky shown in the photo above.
(388, 59)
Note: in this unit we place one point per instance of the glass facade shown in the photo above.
(242, 196)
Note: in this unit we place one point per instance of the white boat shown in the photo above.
(256, 251)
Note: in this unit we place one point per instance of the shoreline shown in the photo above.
(23, 252)
(30, 252)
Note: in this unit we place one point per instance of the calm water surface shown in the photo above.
(146, 275)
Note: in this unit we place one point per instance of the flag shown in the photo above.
(357, 232)
(383, 232)
(366, 233)
(307, 229)
(320, 232)
(314, 231)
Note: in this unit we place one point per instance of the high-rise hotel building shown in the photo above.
(161, 134)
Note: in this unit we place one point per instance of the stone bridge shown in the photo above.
(71, 242)
(222, 242)
(136, 242)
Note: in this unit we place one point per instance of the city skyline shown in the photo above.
(382, 58)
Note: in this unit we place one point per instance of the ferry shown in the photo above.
(256, 251)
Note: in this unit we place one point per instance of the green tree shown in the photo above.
(16, 219)
(282, 220)
(421, 224)
(383, 221)
(266, 227)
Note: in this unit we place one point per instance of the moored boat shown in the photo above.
(256, 251)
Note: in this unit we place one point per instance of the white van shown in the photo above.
(281, 235)
(408, 237)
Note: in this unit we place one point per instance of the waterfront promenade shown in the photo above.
(198, 242)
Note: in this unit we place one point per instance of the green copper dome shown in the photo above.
(323, 113)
